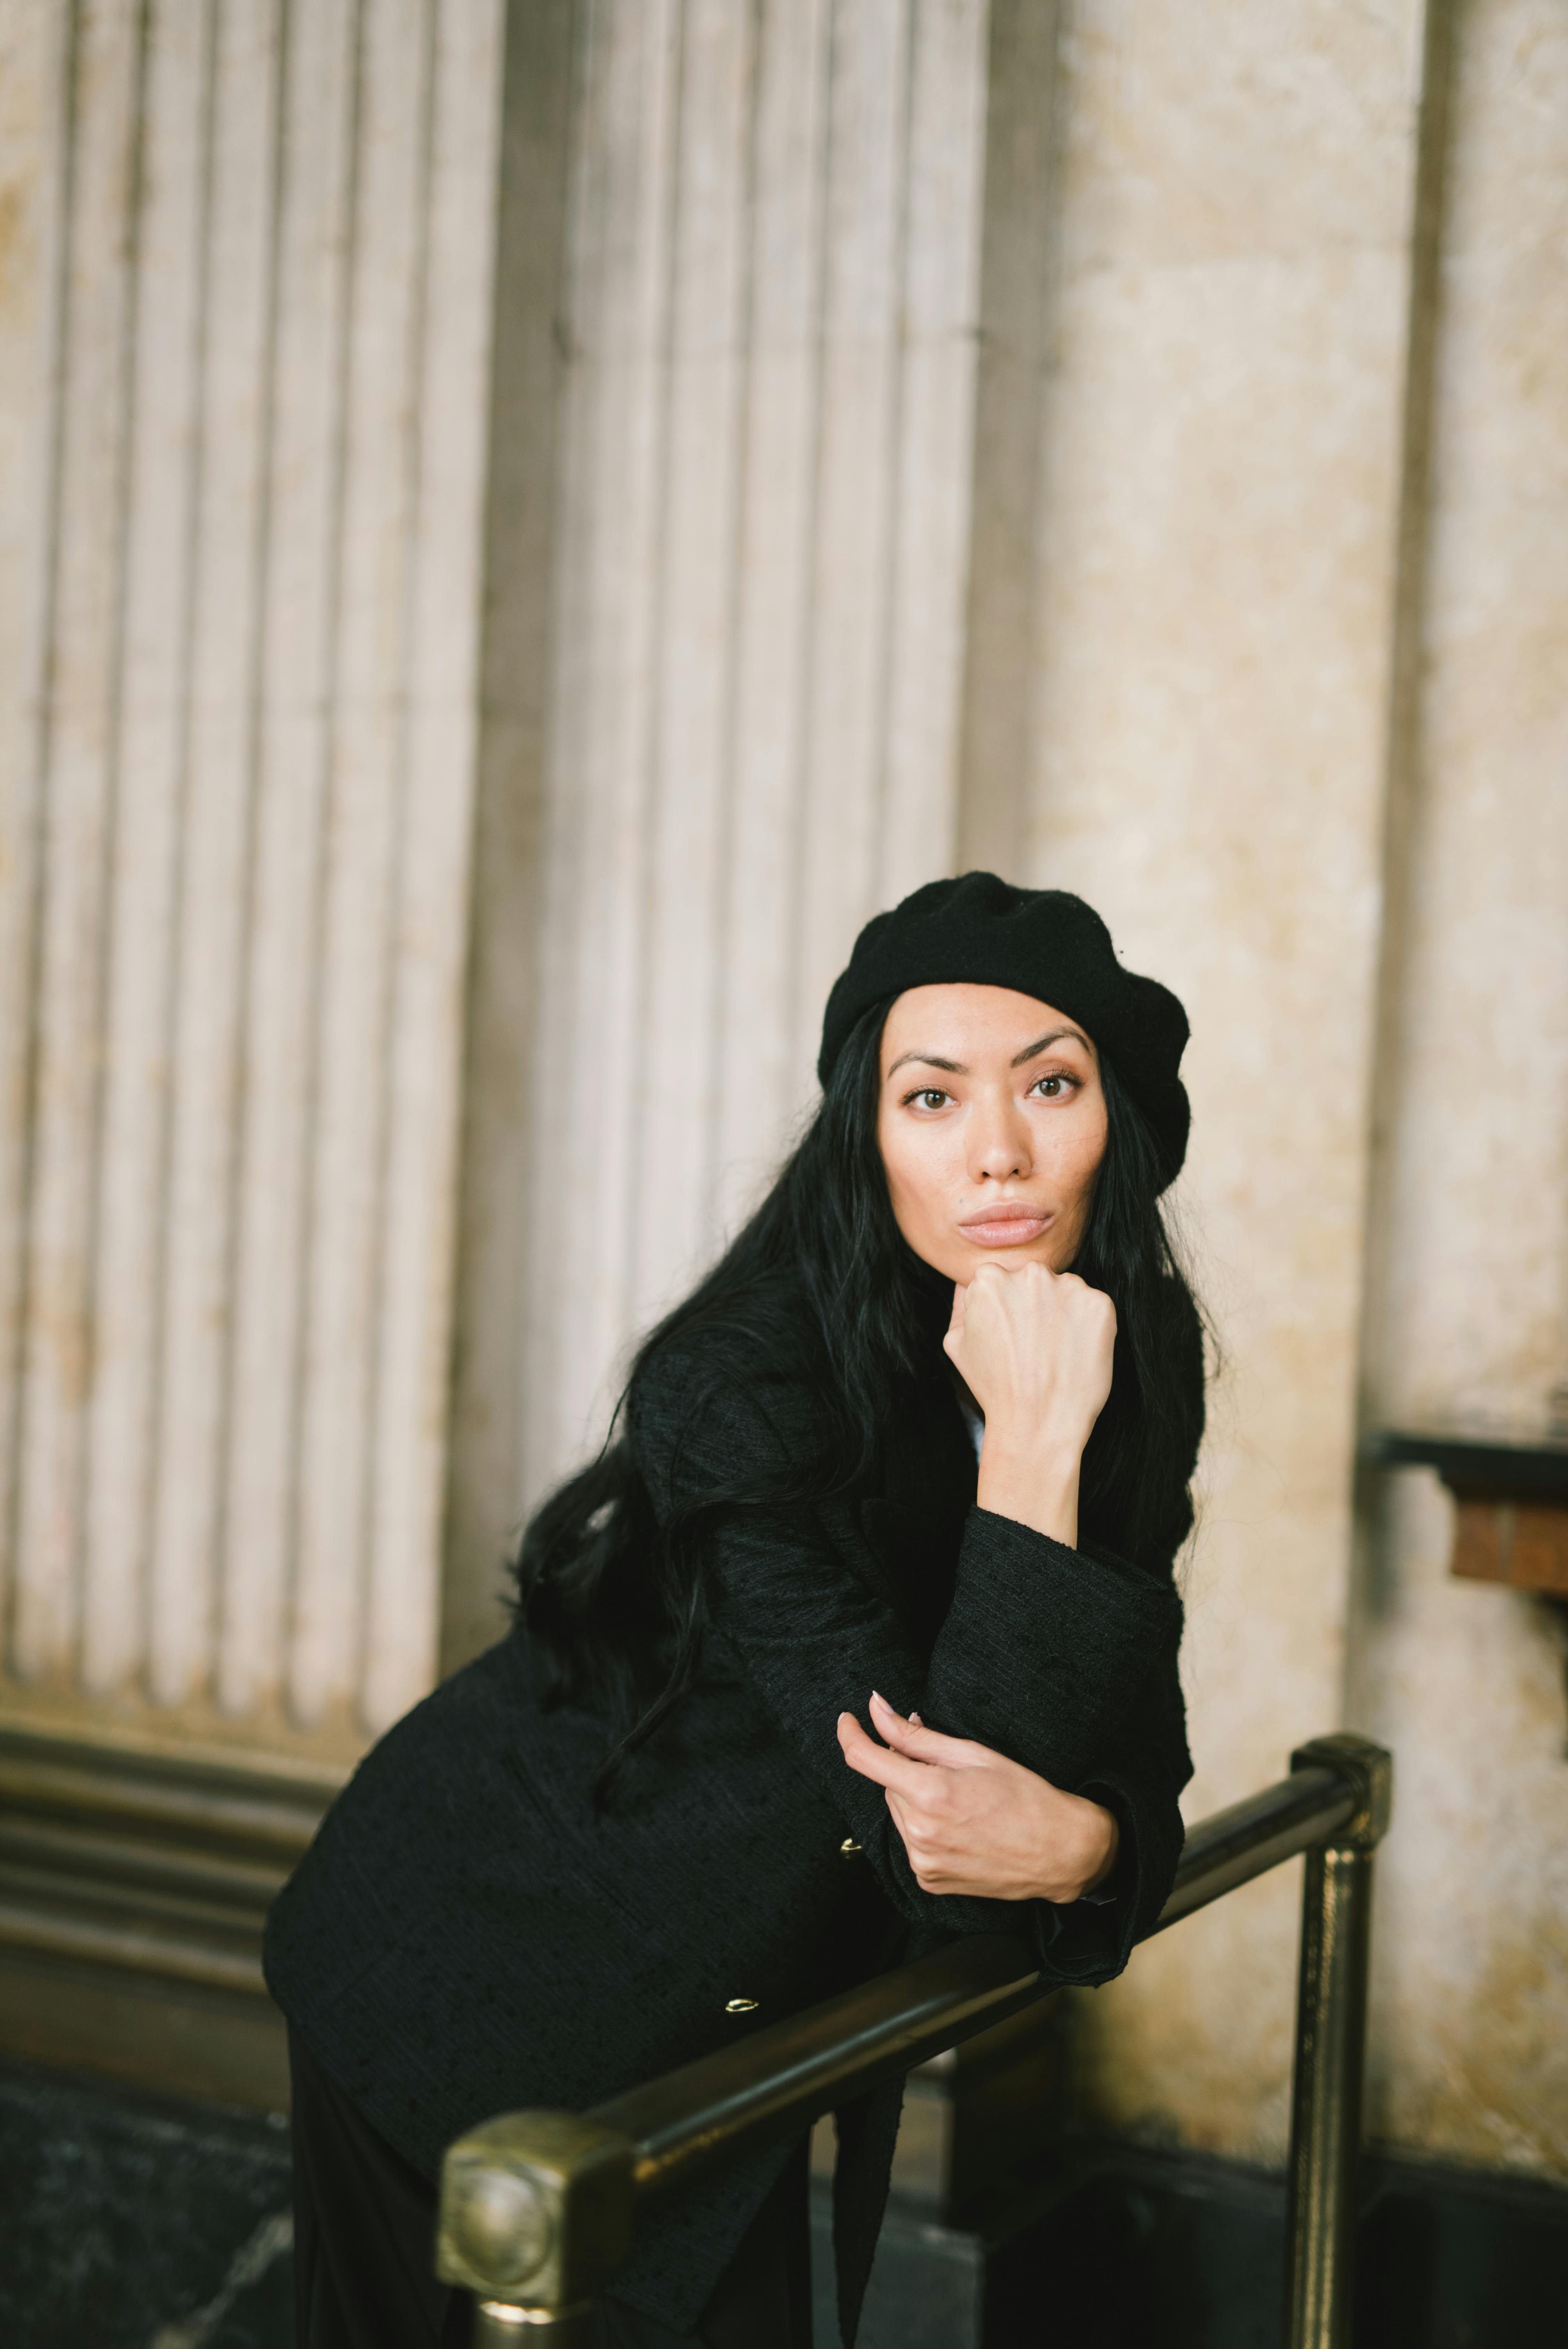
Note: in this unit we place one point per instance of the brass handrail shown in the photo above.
(537, 2207)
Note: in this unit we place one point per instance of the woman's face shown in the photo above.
(991, 1125)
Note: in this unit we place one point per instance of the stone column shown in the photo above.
(1221, 480)
(1469, 1262)
(768, 328)
(245, 503)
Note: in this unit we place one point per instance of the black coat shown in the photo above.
(466, 1936)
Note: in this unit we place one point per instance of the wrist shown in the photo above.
(1085, 1850)
(1036, 1484)
(1058, 1433)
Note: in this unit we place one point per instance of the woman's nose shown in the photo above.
(1000, 1146)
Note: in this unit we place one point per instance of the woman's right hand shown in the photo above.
(975, 1824)
(1036, 1350)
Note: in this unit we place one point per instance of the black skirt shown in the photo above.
(365, 2238)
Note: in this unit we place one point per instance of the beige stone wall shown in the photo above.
(701, 470)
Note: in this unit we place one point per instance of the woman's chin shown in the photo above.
(1005, 1260)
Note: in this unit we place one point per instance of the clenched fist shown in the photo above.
(1036, 1349)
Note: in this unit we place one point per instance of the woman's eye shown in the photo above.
(925, 1097)
(1053, 1088)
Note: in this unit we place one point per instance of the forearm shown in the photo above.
(1045, 1650)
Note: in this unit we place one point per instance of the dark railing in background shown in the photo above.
(537, 2208)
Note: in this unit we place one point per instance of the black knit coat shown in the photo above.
(466, 1934)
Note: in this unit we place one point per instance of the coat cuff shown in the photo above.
(1090, 1941)
(1046, 1650)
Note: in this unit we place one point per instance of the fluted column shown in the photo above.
(236, 840)
(770, 323)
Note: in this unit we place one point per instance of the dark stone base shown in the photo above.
(138, 2221)
(1130, 2250)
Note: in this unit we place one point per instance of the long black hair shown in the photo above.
(613, 1598)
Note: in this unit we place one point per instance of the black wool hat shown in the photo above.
(1040, 942)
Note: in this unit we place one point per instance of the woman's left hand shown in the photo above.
(974, 1823)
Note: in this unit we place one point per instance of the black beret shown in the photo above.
(1040, 942)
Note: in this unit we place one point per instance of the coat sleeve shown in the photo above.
(1063, 1659)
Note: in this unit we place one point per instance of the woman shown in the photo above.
(892, 1462)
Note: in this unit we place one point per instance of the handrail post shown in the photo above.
(1330, 2049)
(535, 2212)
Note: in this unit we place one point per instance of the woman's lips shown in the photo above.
(1004, 1226)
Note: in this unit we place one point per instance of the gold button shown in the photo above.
(848, 1849)
(740, 2006)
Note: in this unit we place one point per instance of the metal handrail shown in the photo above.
(537, 2208)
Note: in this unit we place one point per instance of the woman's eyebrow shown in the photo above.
(1054, 1036)
(959, 1069)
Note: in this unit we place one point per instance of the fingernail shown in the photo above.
(915, 1722)
(877, 1698)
